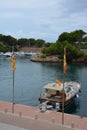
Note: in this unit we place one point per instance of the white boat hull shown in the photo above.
(71, 89)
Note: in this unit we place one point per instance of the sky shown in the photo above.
(42, 19)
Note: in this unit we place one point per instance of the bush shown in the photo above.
(42, 56)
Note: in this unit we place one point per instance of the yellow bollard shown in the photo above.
(53, 120)
(6, 110)
(36, 117)
(20, 114)
(72, 125)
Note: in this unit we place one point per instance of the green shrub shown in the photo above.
(42, 56)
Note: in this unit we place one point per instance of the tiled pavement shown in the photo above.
(32, 118)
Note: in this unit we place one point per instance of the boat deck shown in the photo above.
(49, 116)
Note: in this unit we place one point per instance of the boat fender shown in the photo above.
(77, 96)
(57, 106)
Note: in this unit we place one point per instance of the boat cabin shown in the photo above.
(53, 93)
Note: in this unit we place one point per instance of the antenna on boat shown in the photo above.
(64, 72)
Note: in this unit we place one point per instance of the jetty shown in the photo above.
(32, 118)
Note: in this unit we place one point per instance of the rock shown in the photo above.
(53, 59)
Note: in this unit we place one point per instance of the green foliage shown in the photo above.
(73, 41)
(23, 42)
(47, 44)
(2, 47)
(42, 56)
(64, 36)
(40, 43)
(72, 37)
(73, 53)
(57, 48)
(32, 42)
(51, 50)
(8, 40)
(85, 58)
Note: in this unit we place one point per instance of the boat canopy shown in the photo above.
(59, 87)
(54, 86)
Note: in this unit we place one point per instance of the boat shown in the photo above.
(60, 95)
(54, 93)
(20, 54)
(30, 53)
(7, 54)
(1, 54)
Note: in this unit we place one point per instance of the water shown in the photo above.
(30, 77)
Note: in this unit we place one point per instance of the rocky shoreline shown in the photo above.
(53, 59)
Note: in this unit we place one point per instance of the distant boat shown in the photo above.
(54, 93)
(7, 54)
(30, 53)
(20, 54)
(1, 54)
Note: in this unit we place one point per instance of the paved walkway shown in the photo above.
(9, 127)
(32, 118)
(21, 123)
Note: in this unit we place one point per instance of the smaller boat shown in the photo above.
(8, 54)
(54, 93)
(1, 54)
(20, 54)
(30, 53)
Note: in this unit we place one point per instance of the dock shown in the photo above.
(32, 118)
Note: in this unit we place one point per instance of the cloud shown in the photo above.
(71, 6)
(26, 4)
(44, 18)
(77, 5)
(9, 4)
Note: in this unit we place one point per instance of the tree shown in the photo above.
(32, 42)
(1, 38)
(40, 43)
(63, 37)
(72, 37)
(9, 40)
(77, 36)
(23, 42)
(3, 47)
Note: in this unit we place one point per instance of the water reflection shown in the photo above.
(74, 107)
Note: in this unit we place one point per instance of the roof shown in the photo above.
(59, 87)
(54, 86)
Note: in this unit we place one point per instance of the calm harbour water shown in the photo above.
(30, 77)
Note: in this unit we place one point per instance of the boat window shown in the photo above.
(68, 89)
(46, 90)
(51, 91)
